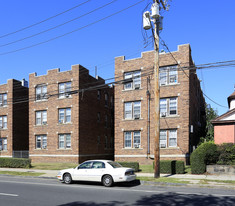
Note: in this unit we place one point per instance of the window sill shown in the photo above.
(132, 148)
(132, 119)
(171, 148)
(127, 90)
(41, 100)
(40, 125)
(171, 116)
(4, 106)
(40, 149)
(3, 151)
(59, 98)
(64, 149)
(167, 85)
(69, 123)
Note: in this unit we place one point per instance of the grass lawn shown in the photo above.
(53, 166)
(35, 174)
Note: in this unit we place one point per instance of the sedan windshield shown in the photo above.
(115, 164)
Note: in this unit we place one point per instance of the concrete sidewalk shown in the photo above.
(53, 173)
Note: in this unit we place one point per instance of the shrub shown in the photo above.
(133, 165)
(15, 162)
(204, 155)
(171, 167)
(226, 154)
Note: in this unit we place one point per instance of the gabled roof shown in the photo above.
(226, 118)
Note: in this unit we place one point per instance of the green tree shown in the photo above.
(210, 115)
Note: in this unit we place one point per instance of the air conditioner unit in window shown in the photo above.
(1, 104)
(44, 146)
(45, 96)
(67, 94)
(163, 114)
(61, 121)
(136, 116)
(136, 145)
(44, 122)
(162, 145)
(137, 86)
(38, 97)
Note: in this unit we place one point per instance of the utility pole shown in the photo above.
(157, 21)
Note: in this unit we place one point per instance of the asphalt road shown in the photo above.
(37, 191)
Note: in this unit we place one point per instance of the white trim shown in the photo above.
(5, 156)
(152, 156)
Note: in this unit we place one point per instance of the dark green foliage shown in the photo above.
(226, 154)
(15, 162)
(171, 167)
(134, 165)
(204, 155)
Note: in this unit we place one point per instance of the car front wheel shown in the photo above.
(67, 178)
(107, 181)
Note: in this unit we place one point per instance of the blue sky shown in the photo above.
(207, 25)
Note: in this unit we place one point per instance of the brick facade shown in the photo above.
(14, 118)
(66, 128)
(187, 123)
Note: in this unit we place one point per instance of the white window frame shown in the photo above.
(3, 144)
(65, 89)
(41, 117)
(173, 135)
(65, 115)
(132, 139)
(163, 138)
(3, 122)
(42, 141)
(168, 135)
(132, 110)
(168, 75)
(166, 105)
(41, 92)
(3, 99)
(66, 140)
(136, 77)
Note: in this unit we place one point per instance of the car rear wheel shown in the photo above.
(107, 181)
(67, 178)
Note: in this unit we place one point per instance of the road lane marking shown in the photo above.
(118, 189)
(12, 195)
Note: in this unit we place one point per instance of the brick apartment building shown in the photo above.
(68, 121)
(13, 118)
(182, 107)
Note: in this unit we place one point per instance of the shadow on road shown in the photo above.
(121, 184)
(166, 199)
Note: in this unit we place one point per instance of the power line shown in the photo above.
(28, 37)
(65, 34)
(27, 27)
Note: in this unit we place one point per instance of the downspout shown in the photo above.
(148, 121)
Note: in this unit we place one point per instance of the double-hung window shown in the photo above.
(168, 107)
(64, 89)
(132, 110)
(132, 139)
(3, 99)
(168, 138)
(64, 141)
(3, 122)
(133, 80)
(41, 117)
(41, 141)
(65, 115)
(41, 92)
(168, 75)
(3, 144)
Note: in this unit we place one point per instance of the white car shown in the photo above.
(104, 171)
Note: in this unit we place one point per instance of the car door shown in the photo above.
(97, 170)
(82, 171)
